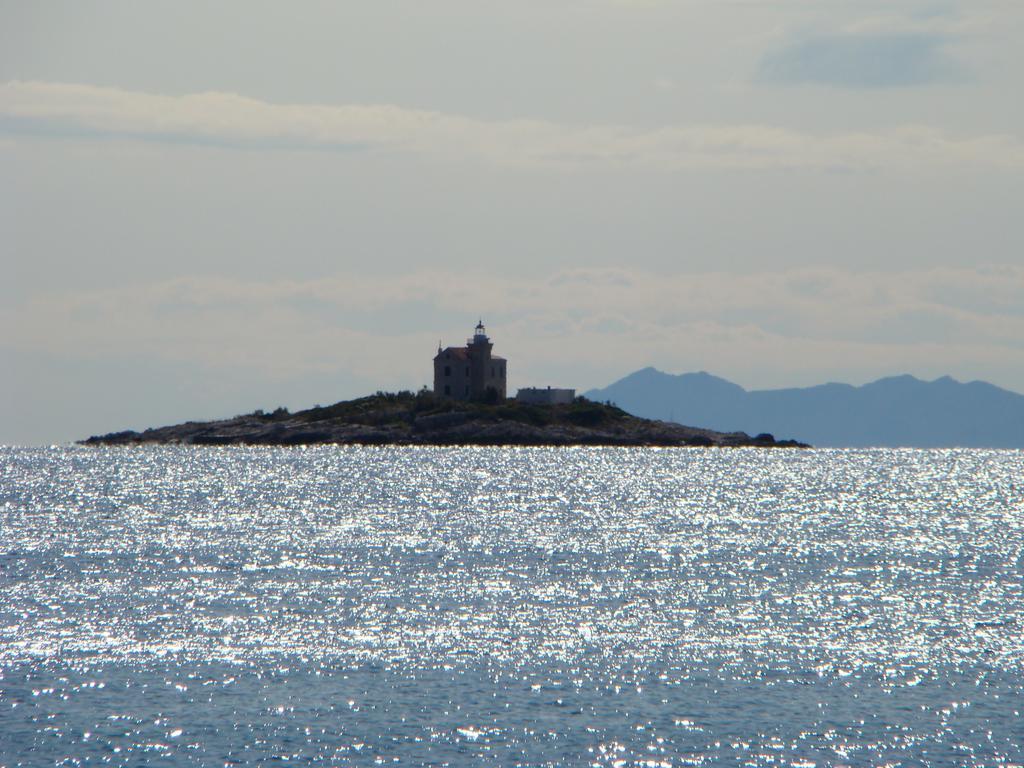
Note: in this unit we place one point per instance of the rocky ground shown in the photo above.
(422, 419)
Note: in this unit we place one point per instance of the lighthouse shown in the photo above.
(470, 372)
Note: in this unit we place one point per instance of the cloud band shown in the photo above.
(236, 121)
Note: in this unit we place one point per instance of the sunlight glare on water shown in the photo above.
(426, 606)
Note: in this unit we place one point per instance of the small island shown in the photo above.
(407, 418)
(467, 406)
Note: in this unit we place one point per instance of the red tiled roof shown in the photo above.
(459, 353)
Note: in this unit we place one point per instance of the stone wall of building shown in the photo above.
(452, 373)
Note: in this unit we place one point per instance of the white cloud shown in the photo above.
(233, 120)
(942, 24)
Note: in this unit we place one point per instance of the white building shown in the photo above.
(546, 396)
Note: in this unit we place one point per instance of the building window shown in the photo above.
(467, 372)
(447, 370)
(447, 389)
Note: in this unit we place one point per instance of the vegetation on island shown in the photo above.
(405, 406)
(422, 418)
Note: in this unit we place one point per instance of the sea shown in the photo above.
(350, 606)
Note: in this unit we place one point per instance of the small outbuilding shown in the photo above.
(545, 396)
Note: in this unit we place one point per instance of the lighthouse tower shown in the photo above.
(480, 360)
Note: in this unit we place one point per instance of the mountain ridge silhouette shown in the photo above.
(894, 411)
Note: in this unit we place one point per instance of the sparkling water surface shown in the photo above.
(420, 606)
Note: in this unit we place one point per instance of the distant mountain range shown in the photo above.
(895, 411)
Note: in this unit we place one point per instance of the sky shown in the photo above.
(208, 208)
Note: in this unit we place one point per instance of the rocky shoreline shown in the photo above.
(421, 419)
